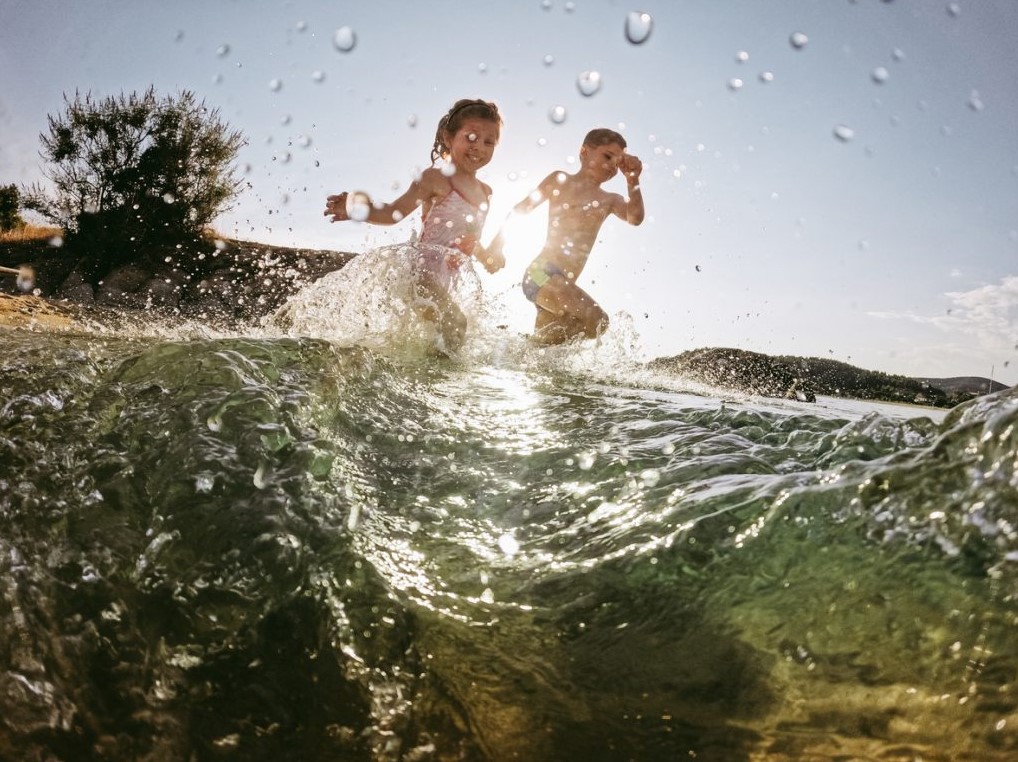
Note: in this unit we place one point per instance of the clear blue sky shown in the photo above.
(895, 249)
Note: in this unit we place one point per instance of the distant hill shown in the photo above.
(974, 385)
(805, 377)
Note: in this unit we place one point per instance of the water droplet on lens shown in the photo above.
(953, 10)
(766, 76)
(223, 50)
(570, 7)
(318, 75)
(358, 206)
(482, 68)
(844, 133)
(26, 279)
(638, 27)
(798, 40)
(588, 83)
(345, 39)
(975, 102)
(275, 85)
(898, 54)
(509, 545)
(880, 75)
(412, 120)
(734, 84)
(302, 26)
(546, 4)
(741, 57)
(557, 114)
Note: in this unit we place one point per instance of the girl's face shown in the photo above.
(473, 144)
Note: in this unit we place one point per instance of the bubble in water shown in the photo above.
(735, 84)
(588, 83)
(975, 101)
(844, 133)
(798, 40)
(549, 59)
(557, 114)
(880, 75)
(358, 206)
(638, 27)
(275, 85)
(223, 50)
(345, 39)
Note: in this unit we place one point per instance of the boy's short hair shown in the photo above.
(603, 136)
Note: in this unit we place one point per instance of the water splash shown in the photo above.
(844, 133)
(588, 83)
(358, 206)
(638, 27)
(344, 39)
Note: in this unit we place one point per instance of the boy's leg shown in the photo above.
(566, 311)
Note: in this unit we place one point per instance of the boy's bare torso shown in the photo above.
(576, 211)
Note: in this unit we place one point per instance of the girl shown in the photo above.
(453, 203)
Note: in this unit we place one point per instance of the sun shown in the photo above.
(524, 235)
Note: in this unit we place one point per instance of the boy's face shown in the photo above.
(602, 161)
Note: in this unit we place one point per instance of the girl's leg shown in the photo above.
(439, 308)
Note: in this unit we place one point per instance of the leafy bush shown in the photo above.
(134, 170)
(10, 204)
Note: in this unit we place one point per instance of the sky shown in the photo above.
(823, 178)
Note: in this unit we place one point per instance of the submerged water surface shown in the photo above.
(269, 547)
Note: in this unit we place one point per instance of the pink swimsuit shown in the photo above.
(449, 234)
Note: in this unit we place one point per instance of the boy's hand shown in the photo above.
(491, 258)
(631, 167)
(336, 207)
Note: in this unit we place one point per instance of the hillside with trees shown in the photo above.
(806, 377)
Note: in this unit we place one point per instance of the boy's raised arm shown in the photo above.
(631, 168)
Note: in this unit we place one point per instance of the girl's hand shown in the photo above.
(631, 167)
(335, 206)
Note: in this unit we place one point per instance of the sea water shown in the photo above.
(276, 545)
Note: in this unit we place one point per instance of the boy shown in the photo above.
(577, 207)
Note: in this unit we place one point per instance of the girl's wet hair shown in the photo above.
(461, 111)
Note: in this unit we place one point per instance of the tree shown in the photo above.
(133, 170)
(10, 204)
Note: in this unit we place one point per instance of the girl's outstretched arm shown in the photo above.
(381, 213)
